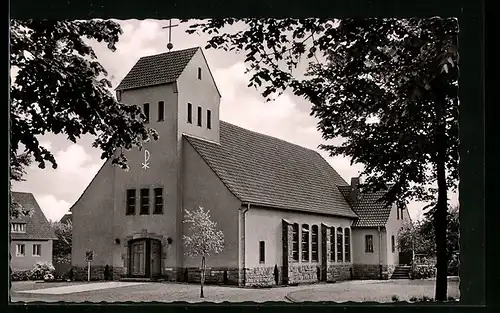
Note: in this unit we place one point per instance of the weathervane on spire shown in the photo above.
(169, 27)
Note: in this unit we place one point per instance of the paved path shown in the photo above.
(80, 288)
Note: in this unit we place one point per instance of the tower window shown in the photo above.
(144, 201)
(158, 201)
(190, 113)
(209, 119)
(161, 110)
(199, 116)
(262, 252)
(199, 73)
(146, 111)
(130, 202)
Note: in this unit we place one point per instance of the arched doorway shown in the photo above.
(144, 258)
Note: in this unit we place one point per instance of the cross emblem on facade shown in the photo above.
(169, 27)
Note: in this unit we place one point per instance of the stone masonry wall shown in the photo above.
(96, 273)
(263, 276)
(226, 276)
(369, 271)
(303, 273)
(339, 272)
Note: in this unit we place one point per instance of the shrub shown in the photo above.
(453, 265)
(48, 277)
(422, 271)
(40, 269)
(19, 275)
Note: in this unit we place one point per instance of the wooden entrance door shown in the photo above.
(138, 258)
(155, 258)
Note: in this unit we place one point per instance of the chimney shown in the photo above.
(354, 189)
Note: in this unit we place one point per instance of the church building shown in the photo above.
(287, 216)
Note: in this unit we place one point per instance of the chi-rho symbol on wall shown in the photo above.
(145, 165)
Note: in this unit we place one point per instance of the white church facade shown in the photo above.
(287, 216)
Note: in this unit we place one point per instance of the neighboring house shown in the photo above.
(66, 218)
(375, 233)
(277, 203)
(31, 236)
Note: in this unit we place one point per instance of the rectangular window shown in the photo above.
(199, 73)
(190, 113)
(393, 244)
(401, 213)
(368, 244)
(262, 252)
(119, 95)
(144, 201)
(20, 250)
(314, 243)
(305, 242)
(130, 202)
(347, 244)
(158, 201)
(199, 116)
(37, 250)
(161, 111)
(295, 242)
(397, 211)
(332, 244)
(18, 227)
(209, 119)
(340, 256)
(146, 111)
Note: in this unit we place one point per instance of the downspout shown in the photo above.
(380, 251)
(243, 252)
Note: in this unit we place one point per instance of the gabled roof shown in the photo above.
(37, 225)
(68, 217)
(157, 69)
(270, 172)
(371, 212)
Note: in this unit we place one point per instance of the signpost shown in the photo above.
(89, 257)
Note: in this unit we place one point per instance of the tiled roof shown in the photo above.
(371, 211)
(67, 217)
(157, 69)
(37, 226)
(267, 171)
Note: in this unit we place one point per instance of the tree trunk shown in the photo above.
(202, 276)
(440, 214)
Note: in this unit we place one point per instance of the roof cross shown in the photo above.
(169, 27)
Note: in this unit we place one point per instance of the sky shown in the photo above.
(286, 118)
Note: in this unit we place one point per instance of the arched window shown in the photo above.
(340, 243)
(332, 244)
(347, 245)
(305, 242)
(314, 243)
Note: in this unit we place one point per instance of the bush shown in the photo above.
(48, 277)
(40, 269)
(453, 265)
(422, 271)
(20, 275)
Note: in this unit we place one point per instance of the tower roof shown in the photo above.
(157, 69)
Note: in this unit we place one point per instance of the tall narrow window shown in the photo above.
(158, 201)
(199, 116)
(37, 250)
(369, 243)
(199, 73)
(305, 242)
(340, 256)
(144, 201)
(209, 119)
(161, 111)
(332, 244)
(20, 250)
(397, 210)
(295, 242)
(190, 113)
(314, 243)
(262, 252)
(402, 214)
(119, 95)
(393, 244)
(347, 244)
(130, 202)
(146, 111)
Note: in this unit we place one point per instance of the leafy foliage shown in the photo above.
(61, 248)
(40, 269)
(60, 87)
(19, 275)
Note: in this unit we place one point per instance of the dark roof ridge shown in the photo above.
(167, 52)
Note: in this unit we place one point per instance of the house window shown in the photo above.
(262, 252)
(369, 244)
(402, 214)
(158, 201)
(332, 244)
(144, 201)
(119, 95)
(397, 211)
(146, 111)
(347, 244)
(130, 202)
(199, 116)
(20, 250)
(340, 256)
(37, 250)
(209, 119)
(393, 244)
(305, 242)
(18, 227)
(190, 113)
(295, 242)
(314, 243)
(161, 111)
(199, 73)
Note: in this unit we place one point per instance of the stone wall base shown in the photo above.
(264, 276)
(339, 272)
(222, 276)
(97, 272)
(370, 271)
(304, 273)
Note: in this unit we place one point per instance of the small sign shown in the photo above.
(89, 256)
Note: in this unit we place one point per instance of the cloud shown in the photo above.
(52, 207)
